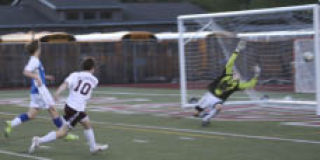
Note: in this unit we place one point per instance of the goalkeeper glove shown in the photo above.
(241, 45)
(257, 71)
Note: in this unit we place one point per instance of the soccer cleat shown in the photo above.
(34, 144)
(71, 137)
(98, 148)
(205, 123)
(7, 129)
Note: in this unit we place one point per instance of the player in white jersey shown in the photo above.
(39, 100)
(80, 86)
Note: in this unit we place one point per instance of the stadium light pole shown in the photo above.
(316, 26)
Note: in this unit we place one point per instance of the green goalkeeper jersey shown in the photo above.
(225, 85)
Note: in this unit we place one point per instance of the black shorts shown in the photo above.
(72, 117)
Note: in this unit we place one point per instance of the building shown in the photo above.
(86, 16)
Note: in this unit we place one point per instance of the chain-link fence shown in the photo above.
(143, 61)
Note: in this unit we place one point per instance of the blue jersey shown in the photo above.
(34, 65)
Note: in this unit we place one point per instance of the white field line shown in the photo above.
(213, 133)
(299, 124)
(200, 132)
(140, 141)
(134, 93)
(118, 93)
(22, 155)
(152, 94)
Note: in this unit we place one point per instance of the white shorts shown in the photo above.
(209, 100)
(37, 102)
(46, 95)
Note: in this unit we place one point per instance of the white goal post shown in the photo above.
(275, 40)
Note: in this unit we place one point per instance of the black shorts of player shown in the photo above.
(72, 117)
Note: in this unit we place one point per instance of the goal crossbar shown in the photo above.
(247, 12)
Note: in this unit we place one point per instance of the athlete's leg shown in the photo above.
(58, 122)
(55, 117)
(35, 103)
(23, 117)
(49, 137)
(214, 111)
(201, 105)
(89, 134)
(53, 135)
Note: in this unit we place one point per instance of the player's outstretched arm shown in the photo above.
(61, 88)
(252, 83)
(230, 63)
(241, 45)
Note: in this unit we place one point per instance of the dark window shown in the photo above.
(105, 15)
(72, 16)
(89, 15)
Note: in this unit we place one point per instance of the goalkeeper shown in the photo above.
(222, 87)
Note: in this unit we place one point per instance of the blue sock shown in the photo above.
(58, 122)
(24, 117)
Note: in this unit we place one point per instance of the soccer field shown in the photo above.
(141, 124)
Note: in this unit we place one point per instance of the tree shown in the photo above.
(5, 2)
(234, 5)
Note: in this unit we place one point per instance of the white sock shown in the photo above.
(211, 114)
(90, 137)
(51, 136)
(15, 122)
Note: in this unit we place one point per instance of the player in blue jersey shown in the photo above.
(35, 71)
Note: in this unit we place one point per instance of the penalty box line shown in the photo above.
(199, 132)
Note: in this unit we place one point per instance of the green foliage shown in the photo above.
(152, 0)
(278, 3)
(5, 2)
(233, 5)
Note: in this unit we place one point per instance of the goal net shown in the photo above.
(282, 41)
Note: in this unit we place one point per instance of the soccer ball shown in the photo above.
(308, 56)
(193, 100)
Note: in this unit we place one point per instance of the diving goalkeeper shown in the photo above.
(222, 87)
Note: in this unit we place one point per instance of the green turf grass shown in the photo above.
(147, 136)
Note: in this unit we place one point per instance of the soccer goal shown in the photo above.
(283, 41)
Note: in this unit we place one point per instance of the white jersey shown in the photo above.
(34, 65)
(80, 86)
